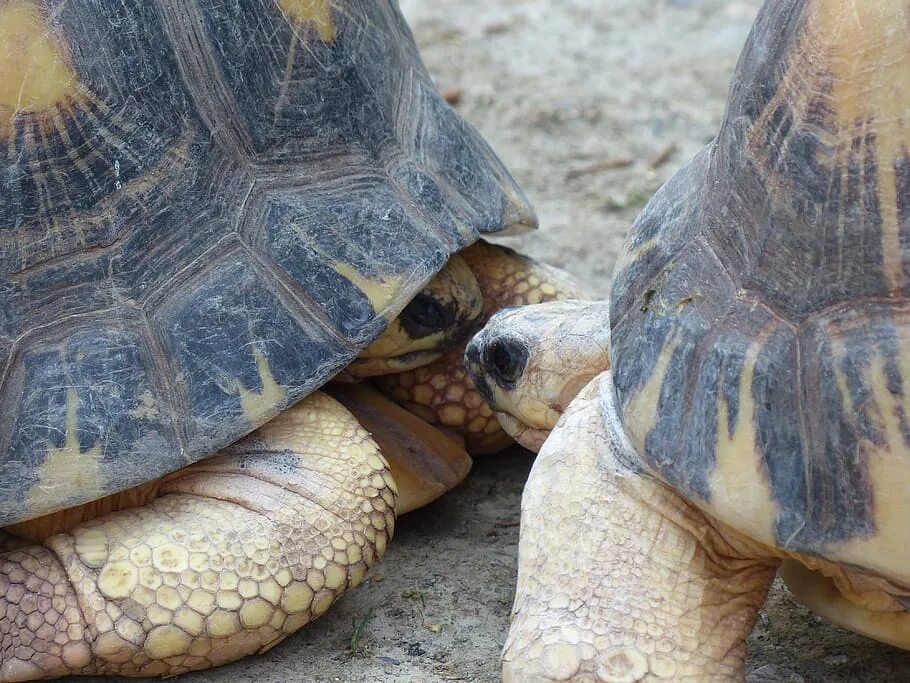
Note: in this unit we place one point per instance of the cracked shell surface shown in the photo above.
(206, 210)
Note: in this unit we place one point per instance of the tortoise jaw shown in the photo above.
(527, 437)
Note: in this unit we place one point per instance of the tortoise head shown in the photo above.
(442, 314)
(529, 362)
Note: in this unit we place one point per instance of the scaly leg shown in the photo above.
(239, 551)
(619, 578)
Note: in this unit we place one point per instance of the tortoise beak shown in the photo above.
(472, 361)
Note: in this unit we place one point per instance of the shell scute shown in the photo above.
(289, 92)
(114, 128)
(208, 146)
(212, 329)
(90, 418)
(775, 400)
(344, 243)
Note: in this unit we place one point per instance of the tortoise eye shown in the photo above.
(505, 360)
(425, 316)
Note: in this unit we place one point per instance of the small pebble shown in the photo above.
(452, 95)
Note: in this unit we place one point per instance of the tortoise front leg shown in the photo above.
(238, 552)
(619, 578)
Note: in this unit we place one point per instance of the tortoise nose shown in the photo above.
(504, 359)
(473, 361)
(472, 354)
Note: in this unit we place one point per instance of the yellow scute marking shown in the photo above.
(380, 293)
(318, 12)
(258, 405)
(69, 469)
(887, 550)
(864, 50)
(34, 74)
(740, 488)
(640, 414)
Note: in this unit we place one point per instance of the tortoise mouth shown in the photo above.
(526, 436)
(414, 359)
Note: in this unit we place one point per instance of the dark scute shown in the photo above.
(759, 68)
(194, 210)
(776, 396)
(790, 231)
(364, 226)
(63, 288)
(670, 219)
(682, 303)
(189, 210)
(120, 407)
(298, 94)
(795, 214)
(837, 503)
(448, 210)
(676, 447)
(212, 329)
(139, 110)
(457, 154)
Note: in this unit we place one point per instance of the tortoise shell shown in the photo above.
(206, 210)
(760, 317)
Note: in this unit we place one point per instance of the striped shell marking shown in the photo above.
(206, 209)
(761, 311)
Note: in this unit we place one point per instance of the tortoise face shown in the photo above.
(529, 362)
(442, 314)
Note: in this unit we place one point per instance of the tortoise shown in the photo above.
(442, 392)
(755, 413)
(207, 210)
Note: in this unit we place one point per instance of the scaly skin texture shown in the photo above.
(239, 551)
(443, 392)
(619, 578)
(425, 461)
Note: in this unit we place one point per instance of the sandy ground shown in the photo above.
(592, 104)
